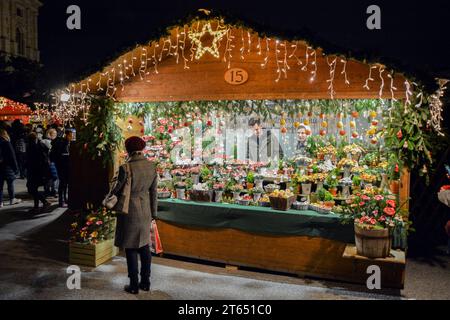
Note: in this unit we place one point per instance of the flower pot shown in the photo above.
(306, 188)
(256, 197)
(395, 187)
(319, 186)
(195, 179)
(181, 194)
(218, 196)
(236, 195)
(346, 191)
(372, 243)
(333, 191)
(250, 185)
(329, 204)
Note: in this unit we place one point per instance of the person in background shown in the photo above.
(18, 141)
(302, 137)
(8, 167)
(50, 187)
(133, 229)
(60, 155)
(38, 170)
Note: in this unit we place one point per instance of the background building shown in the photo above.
(19, 28)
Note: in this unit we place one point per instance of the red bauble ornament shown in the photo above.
(342, 132)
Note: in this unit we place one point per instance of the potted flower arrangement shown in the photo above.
(332, 182)
(218, 191)
(164, 189)
(250, 180)
(257, 193)
(195, 174)
(92, 234)
(353, 151)
(237, 190)
(356, 180)
(374, 216)
(205, 173)
(180, 187)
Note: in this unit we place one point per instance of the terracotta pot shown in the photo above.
(372, 243)
(333, 191)
(395, 187)
(250, 185)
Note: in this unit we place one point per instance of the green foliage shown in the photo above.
(409, 137)
(251, 177)
(101, 137)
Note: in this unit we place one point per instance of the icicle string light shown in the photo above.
(344, 71)
(436, 107)
(332, 66)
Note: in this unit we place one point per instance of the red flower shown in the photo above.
(365, 198)
(161, 129)
(382, 218)
(362, 203)
(389, 211)
(391, 203)
(396, 168)
(209, 123)
(373, 221)
(399, 134)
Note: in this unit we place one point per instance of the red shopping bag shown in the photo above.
(156, 241)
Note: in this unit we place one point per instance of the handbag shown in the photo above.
(120, 203)
(156, 245)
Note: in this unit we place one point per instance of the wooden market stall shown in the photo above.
(11, 110)
(207, 60)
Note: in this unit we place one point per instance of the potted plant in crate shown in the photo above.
(332, 182)
(374, 217)
(92, 238)
(237, 190)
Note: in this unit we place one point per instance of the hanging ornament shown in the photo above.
(283, 130)
(306, 122)
(342, 132)
(283, 122)
(323, 132)
(355, 135)
(324, 124)
(340, 125)
(373, 114)
(355, 114)
(352, 124)
(196, 38)
(296, 124)
(375, 122)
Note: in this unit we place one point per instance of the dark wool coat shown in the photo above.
(133, 229)
(8, 164)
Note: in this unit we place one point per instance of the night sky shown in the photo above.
(414, 34)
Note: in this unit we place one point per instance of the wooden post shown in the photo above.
(405, 179)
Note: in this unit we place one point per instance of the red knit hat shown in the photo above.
(134, 144)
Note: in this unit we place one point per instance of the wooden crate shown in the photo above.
(92, 255)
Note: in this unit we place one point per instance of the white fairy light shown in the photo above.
(392, 88)
(266, 59)
(366, 85)
(332, 66)
(183, 47)
(381, 70)
(243, 44)
(344, 71)
(293, 54)
(436, 107)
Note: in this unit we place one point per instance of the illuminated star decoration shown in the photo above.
(213, 49)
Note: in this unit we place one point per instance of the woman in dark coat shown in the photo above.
(38, 170)
(8, 167)
(133, 229)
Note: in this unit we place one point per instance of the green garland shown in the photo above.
(266, 109)
(101, 137)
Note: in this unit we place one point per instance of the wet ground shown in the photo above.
(34, 261)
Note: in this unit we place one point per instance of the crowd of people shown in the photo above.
(41, 156)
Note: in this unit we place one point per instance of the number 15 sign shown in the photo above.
(236, 76)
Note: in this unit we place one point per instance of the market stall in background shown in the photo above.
(265, 147)
(11, 110)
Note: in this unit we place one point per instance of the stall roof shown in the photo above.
(11, 108)
(415, 75)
